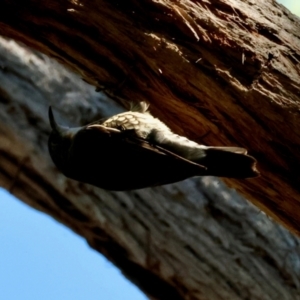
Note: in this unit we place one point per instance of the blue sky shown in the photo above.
(292, 5)
(42, 259)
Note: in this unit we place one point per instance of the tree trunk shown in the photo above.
(195, 239)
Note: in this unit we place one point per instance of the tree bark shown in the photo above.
(226, 71)
(193, 240)
(231, 67)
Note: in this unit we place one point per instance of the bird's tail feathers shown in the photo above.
(238, 150)
(229, 162)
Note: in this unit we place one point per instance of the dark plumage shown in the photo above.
(134, 150)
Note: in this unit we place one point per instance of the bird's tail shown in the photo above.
(229, 162)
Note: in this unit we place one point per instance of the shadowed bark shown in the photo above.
(193, 240)
(226, 71)
(220, 73)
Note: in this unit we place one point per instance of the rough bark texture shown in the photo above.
(192, 240)
(228, 71)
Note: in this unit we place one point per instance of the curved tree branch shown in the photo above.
(229, 70)
(226, 70)
(192, 240)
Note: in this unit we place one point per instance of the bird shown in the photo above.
(134, 150)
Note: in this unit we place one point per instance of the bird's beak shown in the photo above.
(55, 127)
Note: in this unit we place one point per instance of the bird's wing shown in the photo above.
(130, 137)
